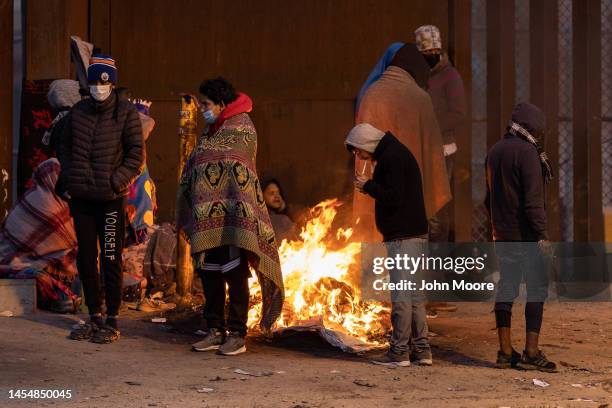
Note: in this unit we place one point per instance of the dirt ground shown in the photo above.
(152, 366)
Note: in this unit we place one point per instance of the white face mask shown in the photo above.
(209, 117)
(100, 92)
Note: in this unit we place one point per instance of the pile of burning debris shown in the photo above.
(322, 293)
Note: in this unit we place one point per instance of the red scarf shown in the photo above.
(242, 104)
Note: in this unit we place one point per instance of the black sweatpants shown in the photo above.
(237, 281)
(534, 312)
(520, 261)
(100, 222)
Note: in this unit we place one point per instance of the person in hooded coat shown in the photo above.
(398, 102)
(63, 93)
(397, 189)
(379, 69)
(516, 169)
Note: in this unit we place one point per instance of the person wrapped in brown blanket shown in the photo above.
(398, 103)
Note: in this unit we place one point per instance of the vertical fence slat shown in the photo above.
(588, 212)
(460, 40)
(544, 44)
(500, 67)
(100, 24)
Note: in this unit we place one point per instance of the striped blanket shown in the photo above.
(38, 232)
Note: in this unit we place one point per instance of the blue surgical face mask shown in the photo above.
(209, 117)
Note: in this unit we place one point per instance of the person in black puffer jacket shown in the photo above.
(101, 153)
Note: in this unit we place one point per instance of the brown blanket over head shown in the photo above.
(395, 103)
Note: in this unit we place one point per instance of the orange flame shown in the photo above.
(322, 281)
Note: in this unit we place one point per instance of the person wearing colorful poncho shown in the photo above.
(223, 212)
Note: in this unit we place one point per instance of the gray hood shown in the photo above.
(365, 137)
(63, 93)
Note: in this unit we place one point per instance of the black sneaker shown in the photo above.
(234, 345)
(538, 362)
(391, 359)
(507, 361)
(212, 341)
(422, 357)
(84, 331)
(106, 335)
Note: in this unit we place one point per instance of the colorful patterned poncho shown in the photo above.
(220, 189)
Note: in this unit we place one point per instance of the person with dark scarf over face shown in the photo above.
(517, 168)
(448, 98)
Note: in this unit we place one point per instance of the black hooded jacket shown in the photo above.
(515, 184)
(397, 189)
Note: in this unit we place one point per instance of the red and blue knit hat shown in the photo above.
(102, 68)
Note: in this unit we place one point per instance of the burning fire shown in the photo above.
(322, 281)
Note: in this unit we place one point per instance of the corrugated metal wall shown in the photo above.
(6, 104)
(301, 62)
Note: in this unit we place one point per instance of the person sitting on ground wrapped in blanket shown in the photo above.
(37, 240)
(223, 212)
(283, 224)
